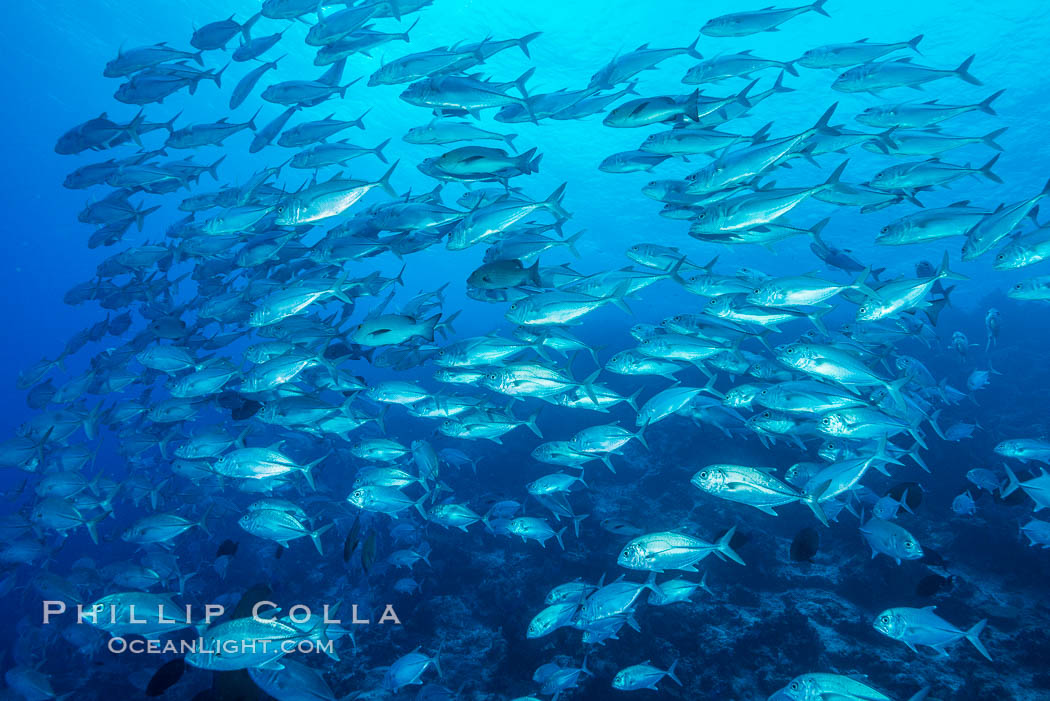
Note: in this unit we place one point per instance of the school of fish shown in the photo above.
(255, 369)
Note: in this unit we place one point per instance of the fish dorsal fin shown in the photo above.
(746, 52)
(861, 41)
(643, 47)
(960, 203)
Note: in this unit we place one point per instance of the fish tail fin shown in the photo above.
(812, 500)
(618, 296)
(577, 520)
(140, 215)
(445, 326)
(554, 202)
(558, 535)
(709, 387)
(217, 77)
(835, 178)
(914, 455)
(989, 139)
(762, 134)
(419, 505)
(573, 240)
(509, 138)
(182, 579)
(530, 423)
(985, 105)
(632, 400)
(671, 674)
(692, 106)
(246, 28)
(132, 128)
(588, 386)
(913, 431)
(860, 284)
(1011, 483)
(691, 49)
(307, 470)
(675, 272)
(524, 42)
(945, 272)
(640, 435)
(437, 663)
(963, 71)
(817, 319)
(932, 419)
(213, 168)
(384, 182)
(972, 636)
(360, 121)
(913, 44)
(789, 66)
(522, 80)
(920, 695)
(903, 501)
(170, 125)
(724, 549)
(251, 122)
(338, 289)
(778, 85)
(534, 273)
(378, 151)
(823, 124)
(818, 7)
(881, 456)
(92, 525)
(817, 228)
(315, 536)
(203, 523)
(986, 170)
(525, 161)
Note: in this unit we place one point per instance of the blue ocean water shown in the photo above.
(763, 624)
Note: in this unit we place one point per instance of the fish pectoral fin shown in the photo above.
(765, 509)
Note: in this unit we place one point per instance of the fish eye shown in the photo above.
(1000, 257)
(703, 475)
(794, 686)
(909, 545)
(790, 351)
(766, 414)
(863, 310)
(884, 619)
(825, 421)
